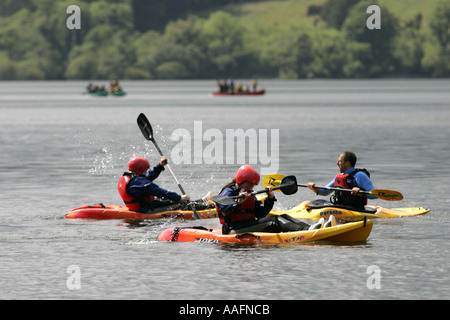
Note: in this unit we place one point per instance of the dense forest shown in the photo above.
(179, 39)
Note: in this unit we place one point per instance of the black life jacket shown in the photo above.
(348, 181)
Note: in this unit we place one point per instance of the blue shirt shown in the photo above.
(362, 180)
(141, 187)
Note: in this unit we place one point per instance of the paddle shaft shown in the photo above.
(379, 193)
(289, 187)
(168, 167)
(149, 136)
(306, 186)
(286, 187)
(226, 201)
(265, 190)
(383, 194)
(334, 189)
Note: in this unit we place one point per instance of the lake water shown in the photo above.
(62, 149)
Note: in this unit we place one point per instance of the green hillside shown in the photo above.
(176, 39)
(291, 16)
(293, 13)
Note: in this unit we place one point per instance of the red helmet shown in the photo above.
(138, 165)
(247, 173)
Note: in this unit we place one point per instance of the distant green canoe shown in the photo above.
(99, 93)
(106, 93)
(118, 93)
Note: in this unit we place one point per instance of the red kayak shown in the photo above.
(102, 212)
(248, 93)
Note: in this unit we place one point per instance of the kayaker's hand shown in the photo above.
(270, 192)
(311, 185)
(355, 191)
(243, 196)
(163, 161)
(185, 197)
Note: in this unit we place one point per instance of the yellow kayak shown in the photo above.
(353, 231)
(314, 212)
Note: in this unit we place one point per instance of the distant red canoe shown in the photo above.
(249, 93)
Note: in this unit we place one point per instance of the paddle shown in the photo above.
(147, 131)
(288, 186)
(383, 194)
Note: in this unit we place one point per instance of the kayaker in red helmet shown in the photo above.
(140, 194)
(249, 214)
(348, 177)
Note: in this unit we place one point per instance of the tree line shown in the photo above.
(115, 41)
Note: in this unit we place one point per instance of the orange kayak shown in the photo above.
(353, 231)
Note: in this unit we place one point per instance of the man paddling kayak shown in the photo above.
(349, 177)
(248, 214)
(140, 194)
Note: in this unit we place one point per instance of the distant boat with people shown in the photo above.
(99, 91)
(242, 93)
(230, 88)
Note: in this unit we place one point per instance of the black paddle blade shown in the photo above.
(224, 200)
(289, 185)
(145, 126)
